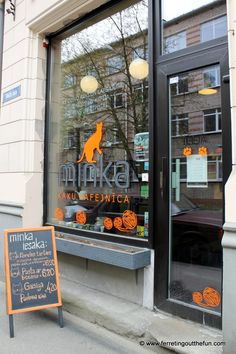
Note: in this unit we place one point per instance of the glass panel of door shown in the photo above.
(196, 195)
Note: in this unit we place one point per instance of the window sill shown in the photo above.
(119, 255)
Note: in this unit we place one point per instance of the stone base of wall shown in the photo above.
(10, 217)
(123, 283)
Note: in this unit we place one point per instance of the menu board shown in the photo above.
(32, 280)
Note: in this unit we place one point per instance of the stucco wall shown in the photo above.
(51, 15)
(22, 118)
(10, 217)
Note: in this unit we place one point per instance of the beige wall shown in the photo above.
(49, 16)
(22, 118)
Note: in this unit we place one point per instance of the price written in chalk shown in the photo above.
(31, 269)
(51, 287)
(48, 272)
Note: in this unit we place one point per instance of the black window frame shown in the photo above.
(197, 56)
(161, 66)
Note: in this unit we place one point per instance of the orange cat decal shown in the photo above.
(92, 144)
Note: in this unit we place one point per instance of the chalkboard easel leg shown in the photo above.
(11, 326)
(60, 317)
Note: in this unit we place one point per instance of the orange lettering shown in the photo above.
(119, 200)
(126, 199)
(108, 197)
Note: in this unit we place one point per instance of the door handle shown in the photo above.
(163, 177)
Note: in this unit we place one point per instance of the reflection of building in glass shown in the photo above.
(201, 25)
(121, 103)
(196, 122)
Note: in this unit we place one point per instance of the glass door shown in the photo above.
(195, 189)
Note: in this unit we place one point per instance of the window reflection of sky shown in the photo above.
(172, 8)
(126, 23)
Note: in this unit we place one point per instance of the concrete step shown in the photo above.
(133, 321)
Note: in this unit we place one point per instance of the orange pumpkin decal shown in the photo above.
(212, 297)
(127, 222)
(108, 223)
(187, 151)
(118, 223)
(59, 215)
(202, 150)
(197, 297)
(129, 219)
(81, 217)
(209, 298)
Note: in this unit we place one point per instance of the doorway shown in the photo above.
(194, 156)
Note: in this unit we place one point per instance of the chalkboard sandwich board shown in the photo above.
(32, 280)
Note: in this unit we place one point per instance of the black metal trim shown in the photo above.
(151, 105)
(195, 49)
(46, 132)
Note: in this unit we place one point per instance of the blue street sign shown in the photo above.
(11, 94)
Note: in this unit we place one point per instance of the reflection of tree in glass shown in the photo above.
(120, 101)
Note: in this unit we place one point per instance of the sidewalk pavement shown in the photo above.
(140, 324)
(37, 332)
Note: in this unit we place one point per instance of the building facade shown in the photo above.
(117, 128)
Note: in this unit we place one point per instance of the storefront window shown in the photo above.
(189, 23)
(98, 126)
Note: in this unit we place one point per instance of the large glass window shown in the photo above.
(196, 194)
(188, 23)
(98, 131)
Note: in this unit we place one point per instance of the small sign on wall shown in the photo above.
(11, 94)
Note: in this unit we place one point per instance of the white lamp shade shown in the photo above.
(139, 69)
(89, 84)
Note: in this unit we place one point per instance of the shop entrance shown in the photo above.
(194, 151)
